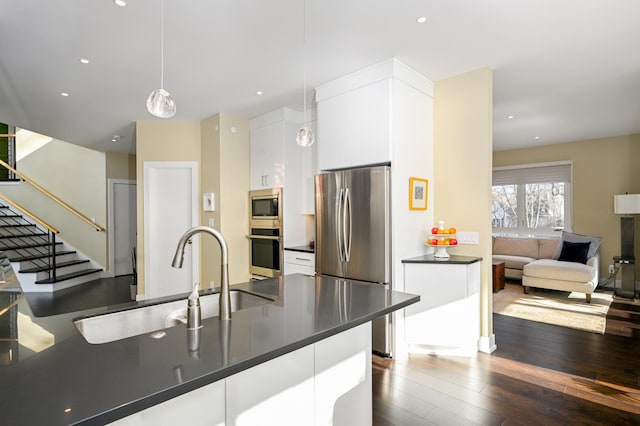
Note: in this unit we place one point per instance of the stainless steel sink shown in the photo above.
(112, 326)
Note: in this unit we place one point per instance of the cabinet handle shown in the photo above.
(302, 258)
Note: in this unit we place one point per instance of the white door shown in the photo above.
(170, 208)
(122, 225)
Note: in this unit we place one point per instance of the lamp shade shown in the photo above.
(626, 204)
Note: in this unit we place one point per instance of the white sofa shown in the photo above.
(538, 262)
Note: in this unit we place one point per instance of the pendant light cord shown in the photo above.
(304, 63)
(162, 44)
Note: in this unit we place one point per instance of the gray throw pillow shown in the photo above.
(578, 238)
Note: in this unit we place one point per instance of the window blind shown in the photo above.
(535, 174)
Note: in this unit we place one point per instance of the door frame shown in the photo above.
(111, 183)
(148, 167)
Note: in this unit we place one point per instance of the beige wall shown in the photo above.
(234, 193)
(56, 167)
(463, 142)
(601, 169)
(171, 140)
(210, 180)
(225, 172)
(223, 158)
(120, 166)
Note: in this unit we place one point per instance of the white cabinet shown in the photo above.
(203, 406)
(278, 392)
(447, 318)
(373, 116)
(328, 382)
(276, 161)
(267, 156)
(354, 127)
(308, 169)
(343, 378)
(299, 262)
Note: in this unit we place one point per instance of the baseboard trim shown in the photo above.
(487, 344)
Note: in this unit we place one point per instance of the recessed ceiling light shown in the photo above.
(65, 94)
(84, 61)
(115, 138)
(121, 3)
(259, 92)
(537, 137)
(511, 117)
(421, 20)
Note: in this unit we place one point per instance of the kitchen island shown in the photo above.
(277, 351)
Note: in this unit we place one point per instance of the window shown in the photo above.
(531, 199)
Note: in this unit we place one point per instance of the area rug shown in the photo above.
(554, 307)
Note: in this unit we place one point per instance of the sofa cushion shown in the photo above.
(559, 270)
(547, 247)
(574, 252)
(579, 238)
(513, 262)
(527, 247)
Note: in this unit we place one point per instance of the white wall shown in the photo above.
(77, 176)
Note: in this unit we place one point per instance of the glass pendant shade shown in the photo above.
(161, 104)
(305, 137)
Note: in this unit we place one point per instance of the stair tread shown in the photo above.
(38, 256)
(69, 276)
(58, 266)
(28, 246)
(30, 235)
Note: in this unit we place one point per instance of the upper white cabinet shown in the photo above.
(363, 117)
(278, 161)
(308, 169)
(354, 127)
(268, 139)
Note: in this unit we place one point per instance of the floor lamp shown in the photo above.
(626, 205)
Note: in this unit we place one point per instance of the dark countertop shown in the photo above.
(455, 260)
(305, 249)
(47, 367)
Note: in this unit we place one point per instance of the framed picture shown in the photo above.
(418, 193)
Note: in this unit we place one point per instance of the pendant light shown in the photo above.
(305, 137)
(160, 103)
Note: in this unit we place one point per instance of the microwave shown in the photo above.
(265, 207)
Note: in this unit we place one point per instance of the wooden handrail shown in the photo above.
(28, 213)
(53, 197)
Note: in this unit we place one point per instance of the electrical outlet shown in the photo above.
(611, 269)
(468, 238)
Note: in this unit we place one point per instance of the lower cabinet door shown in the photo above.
(278, 392)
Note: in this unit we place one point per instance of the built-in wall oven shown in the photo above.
(265, 232)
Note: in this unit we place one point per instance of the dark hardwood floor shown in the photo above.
(539, 375)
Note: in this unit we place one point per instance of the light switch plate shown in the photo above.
(468, 238)
(209, 202)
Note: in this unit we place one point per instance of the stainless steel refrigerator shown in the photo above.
(353, 233)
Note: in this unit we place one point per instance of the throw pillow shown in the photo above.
(578, 238)
(574, 252)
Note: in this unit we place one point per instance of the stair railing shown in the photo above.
(51, 232)
(53, 197)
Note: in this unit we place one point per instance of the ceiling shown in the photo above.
(565, 70)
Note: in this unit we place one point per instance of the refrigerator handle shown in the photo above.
(339, 222)
(347, 217)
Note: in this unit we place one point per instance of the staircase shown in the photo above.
(42, 263)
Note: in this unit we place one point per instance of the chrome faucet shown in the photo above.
(225, 297)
